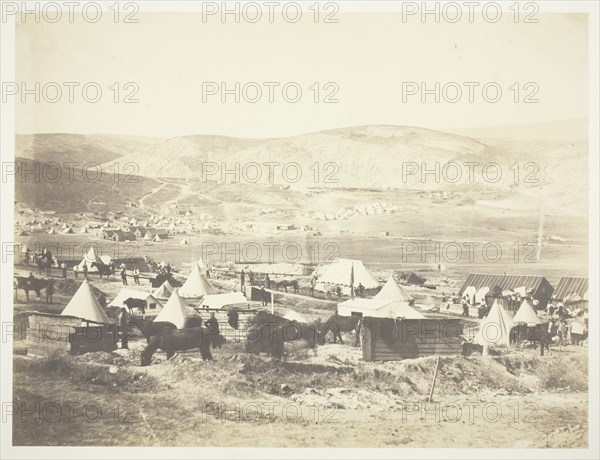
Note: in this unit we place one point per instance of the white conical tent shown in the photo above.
(391, 291)
(52, 231)
(174, 311)
(85, 305)
(495, 328)
(164, 291)
(197, 285)
(526, 314)
(90, 257)
(344, 272)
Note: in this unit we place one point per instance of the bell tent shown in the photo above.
(85, 305)
(197, 284)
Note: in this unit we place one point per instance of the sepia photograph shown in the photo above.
(349, 229)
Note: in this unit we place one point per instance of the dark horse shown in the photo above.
(44, 265)
(179, 340)
(290, 330)
(150, 328)
(159, 279)
(265, 338)
(338, 324)
(286, 284)
(540, 333)
(31, 284)
(138, 304)
(103, 269)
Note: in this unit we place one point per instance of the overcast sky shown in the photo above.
(367, 55)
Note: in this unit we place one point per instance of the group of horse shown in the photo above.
(265, 333)
(31, 284)
(542, 335)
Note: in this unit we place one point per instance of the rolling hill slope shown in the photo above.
(78, 148)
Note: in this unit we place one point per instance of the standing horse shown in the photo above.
(265, 338)
(290, 330)
(138, 304)
(31, 284)
(150, 328)
(44, 265)
(540, 333)
(103, 269)
(179, 340)
(338, 324)
(288, 283)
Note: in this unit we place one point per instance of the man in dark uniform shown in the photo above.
(49, 292)
(213, 330)
(123, 324)
(263, 296)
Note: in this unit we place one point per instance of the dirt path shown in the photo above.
(154, 191)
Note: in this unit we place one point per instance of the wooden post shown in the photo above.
(486, 350)
(437, 364)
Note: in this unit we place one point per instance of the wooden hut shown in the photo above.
(48, 333)
(385, 339)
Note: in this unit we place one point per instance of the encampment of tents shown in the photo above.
(85, 305)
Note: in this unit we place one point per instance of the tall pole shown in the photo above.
(540, 233)
(352, 281)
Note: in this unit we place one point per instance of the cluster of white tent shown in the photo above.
(495, 328)
(391, 302)
(85, 305)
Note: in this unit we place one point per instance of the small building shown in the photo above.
(397, 339)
